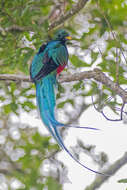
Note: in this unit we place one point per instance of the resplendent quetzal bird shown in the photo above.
(50, 60)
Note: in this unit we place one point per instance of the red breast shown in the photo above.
(60, 68)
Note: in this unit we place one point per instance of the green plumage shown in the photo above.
(50, 60)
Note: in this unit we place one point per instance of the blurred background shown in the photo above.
(30, 158)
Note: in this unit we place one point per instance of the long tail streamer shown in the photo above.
(46, 103)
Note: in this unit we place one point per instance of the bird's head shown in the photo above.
(62, 35)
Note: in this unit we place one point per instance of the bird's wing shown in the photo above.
(60, 55)
(37, 65)
(48, 61)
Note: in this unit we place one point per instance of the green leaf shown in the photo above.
(7, 108)
(61, 105)
(122, 181)
(53, 184)
(2, 98)
(27, 105)
(14, 107)
(78, 62)
(78, 85)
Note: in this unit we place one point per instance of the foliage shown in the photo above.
(100, 40)
(122, 181)
(23, 154)
(24, 27)
(35, 152)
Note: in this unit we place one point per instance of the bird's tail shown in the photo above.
(46, 103)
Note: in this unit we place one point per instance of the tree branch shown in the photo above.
(15, 77)
(75, 9)
(96, 74)
(99, 180)
(99, 76)
(15, 28)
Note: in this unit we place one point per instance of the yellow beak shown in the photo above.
(68, 37)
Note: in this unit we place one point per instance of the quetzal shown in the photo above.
(50, 60)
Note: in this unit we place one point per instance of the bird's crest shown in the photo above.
(61, 34)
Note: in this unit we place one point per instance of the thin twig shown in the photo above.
(112, 169)
(117, 66)
(102, 112)
(113, 33)
(109, 118)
